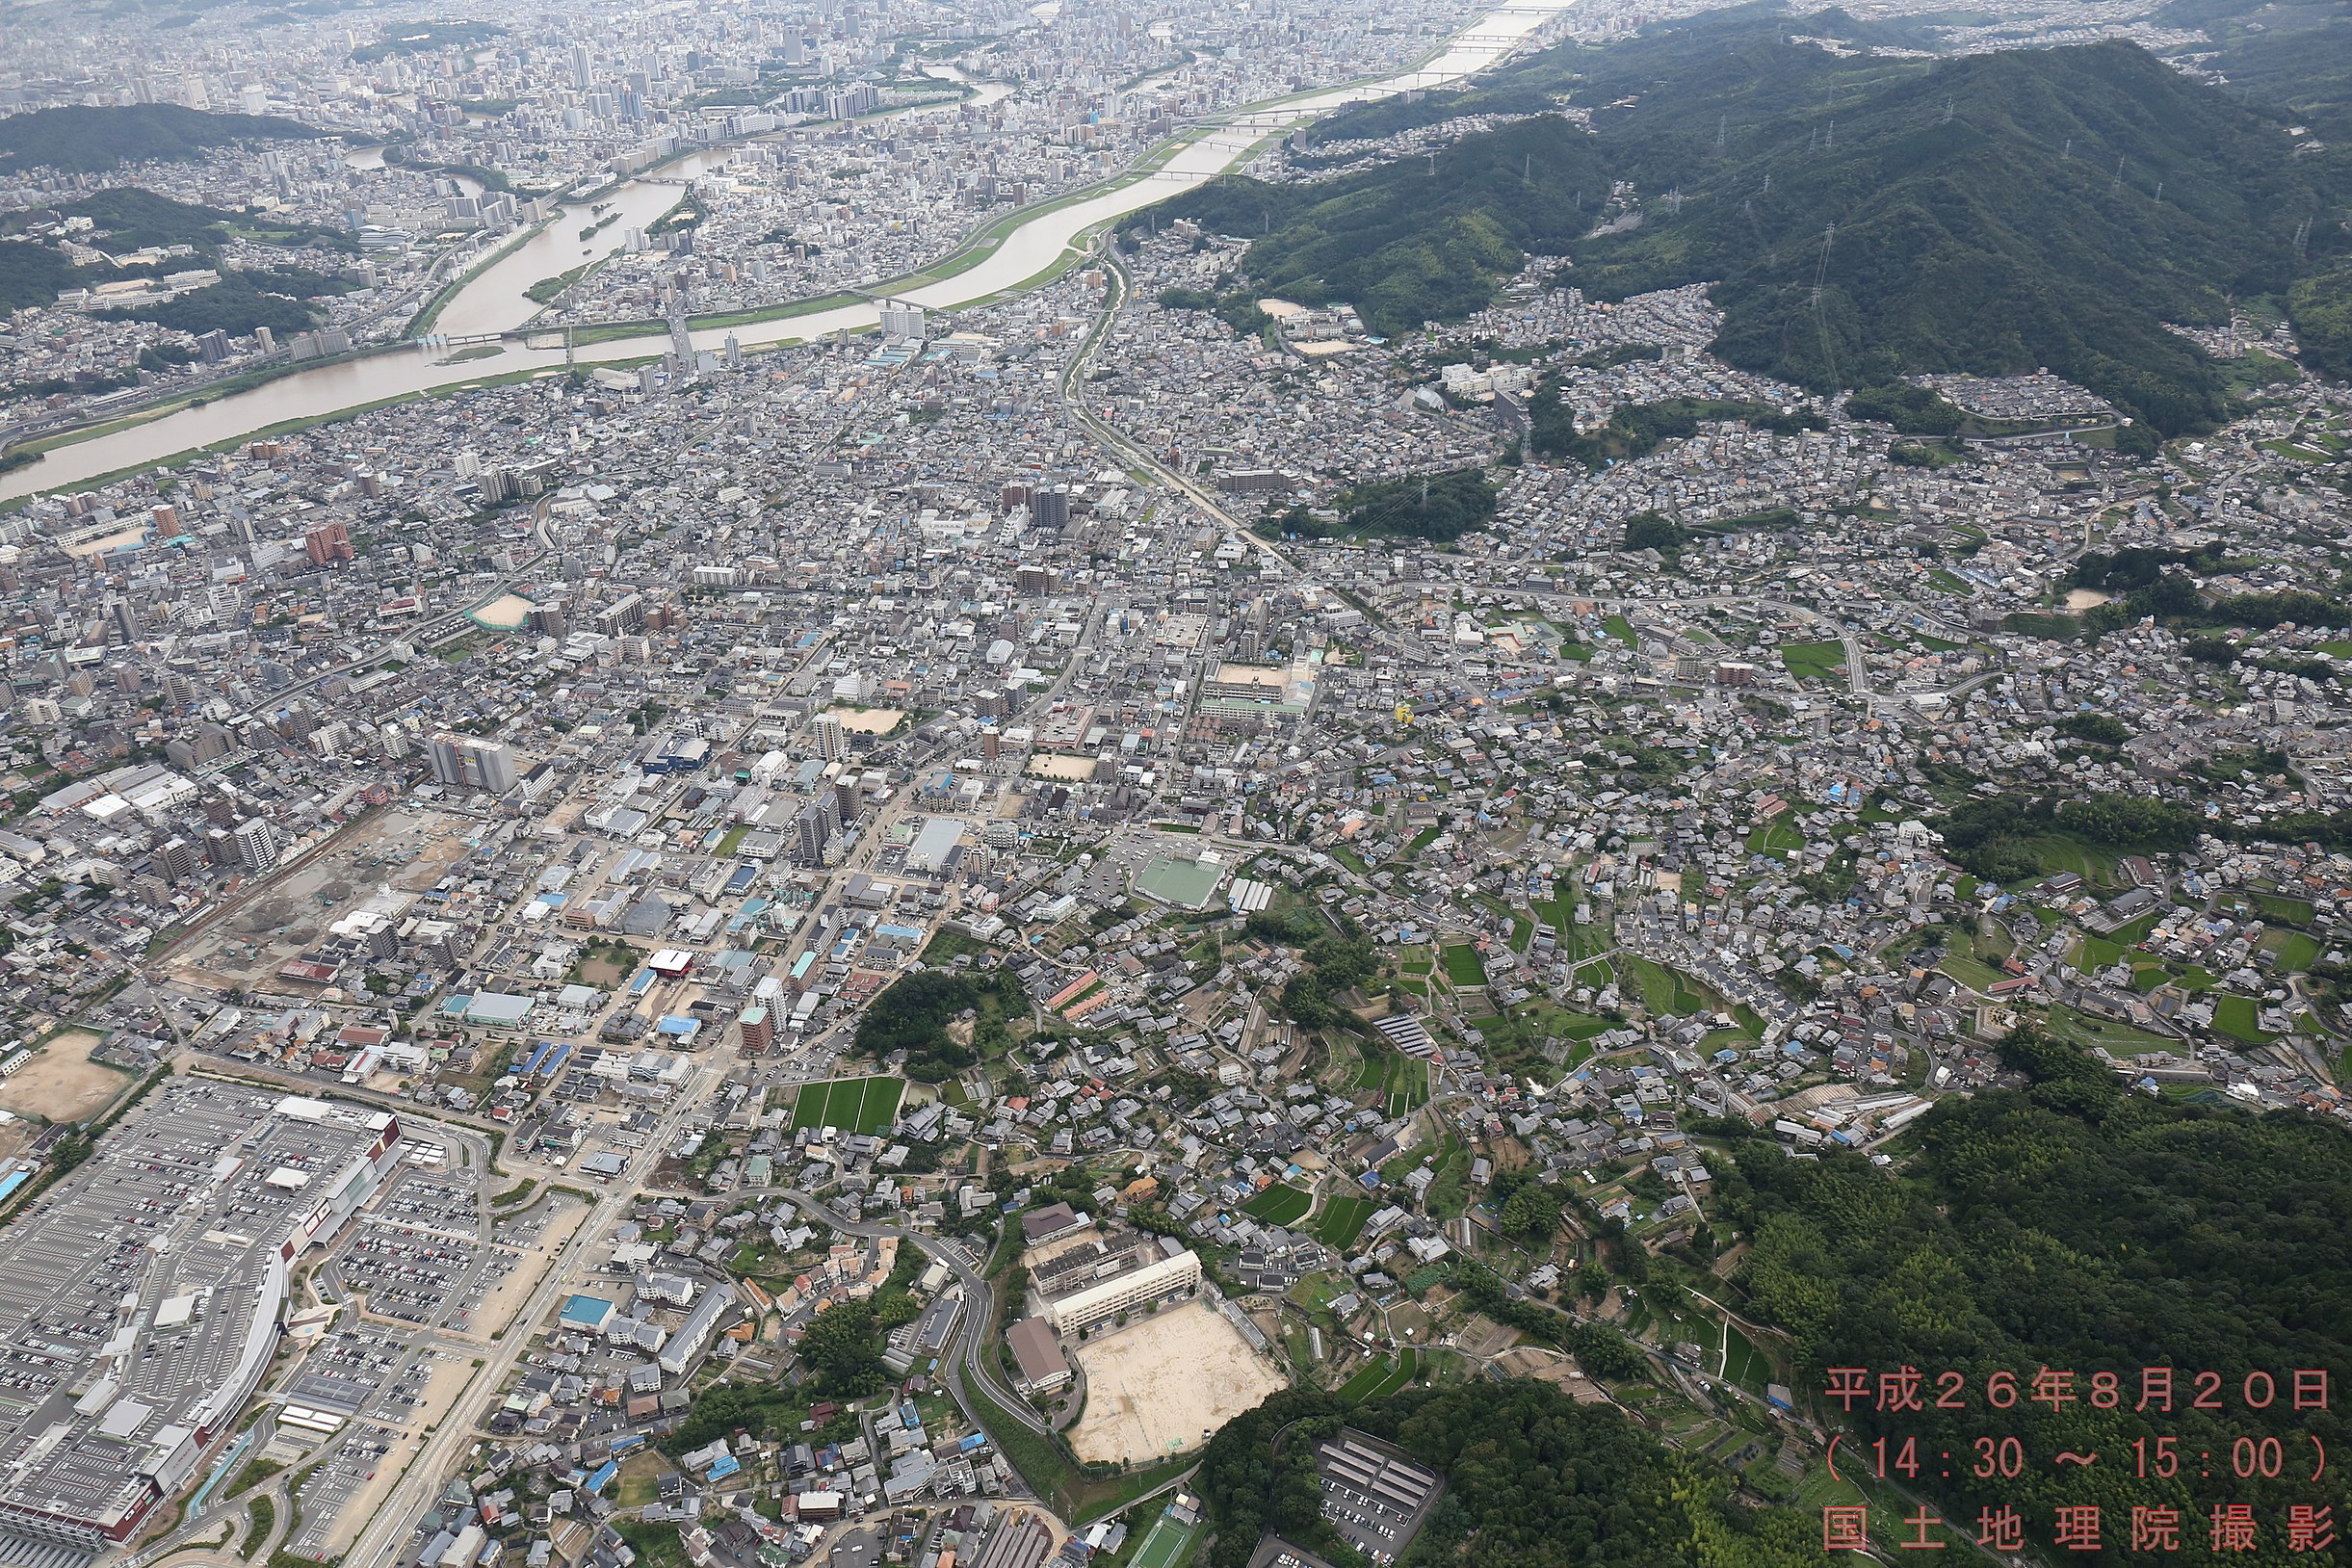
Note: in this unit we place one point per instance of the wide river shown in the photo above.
(493, 301)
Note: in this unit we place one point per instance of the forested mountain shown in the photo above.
(83, 140)
(1991, 213)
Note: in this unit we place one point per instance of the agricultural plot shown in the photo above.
(1398, 1082)
(1403, 1084)
(850, 1105)
(1280, 1204)
(1663, 989)
(1599, 975)
(1408, 1087)
(2238, 1016)
(1815, 661)
(1742, 1363)
(2293, 952)
(1380, 1378)
(1342, 1221)
(1462, 965)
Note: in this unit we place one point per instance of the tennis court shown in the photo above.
(1164, 1545)
(850, 1105)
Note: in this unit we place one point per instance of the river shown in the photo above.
(497, 298)
(490, 301)
(984, 93)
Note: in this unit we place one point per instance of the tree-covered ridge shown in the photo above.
(2295, 54)
(127, 219)
(1995, 214)
(83, 140)
(426, 38)
(231, 305)
(1991, 213)
(1533, 1480)
(2075, 1227)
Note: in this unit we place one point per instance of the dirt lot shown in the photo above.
(406, 849)
(1482, 1337)
(498, 1309)
(868, 720)
(1548, 1366)
(1155, 1386)
(60, 1082)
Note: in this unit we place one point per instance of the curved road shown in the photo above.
(978, 1319)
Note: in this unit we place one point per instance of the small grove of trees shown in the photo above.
(1636, 430)
(913, 1015)
(1913, 410)
(1239, 310)
(1440, 508)
(1336, 963)
(1992, 838)
(1654, 531)
(1526, 1205)
(841, 1347)
(2152, 583)
(2103, 729)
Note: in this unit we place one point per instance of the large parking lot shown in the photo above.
(332, 1488)
(413, 1278)
(417, 1255)
(1374, 1496)
(444, 1200)
(358, 1372)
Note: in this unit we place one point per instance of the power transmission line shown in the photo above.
(1821, 322)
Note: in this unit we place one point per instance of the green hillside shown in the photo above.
(1533, 1480)
(83, 140)
(2295, 55)
(2214, 1243)
(1980, 223)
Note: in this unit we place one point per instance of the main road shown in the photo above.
(1034, 251)
(431, 1465)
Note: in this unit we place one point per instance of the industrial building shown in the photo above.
(143, 1303)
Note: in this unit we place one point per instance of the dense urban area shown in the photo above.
(1286, 785)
